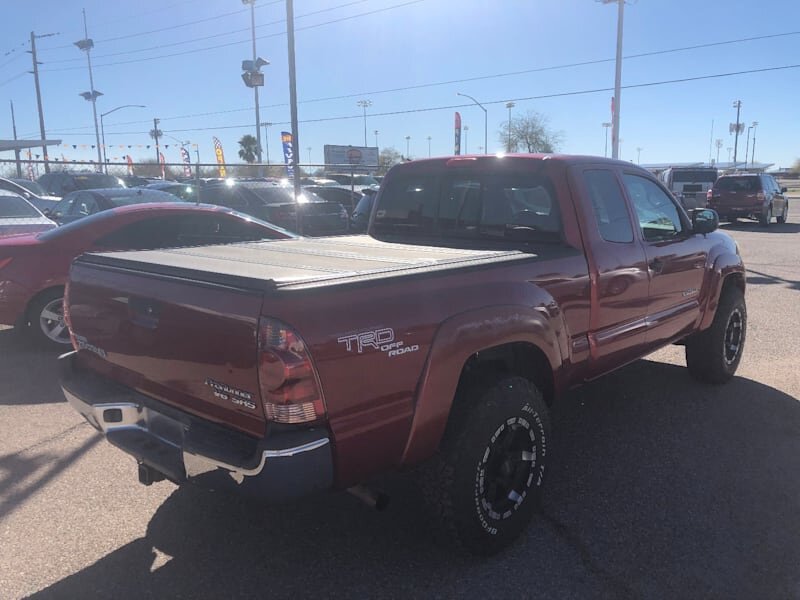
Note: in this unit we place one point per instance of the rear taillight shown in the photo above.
(709, 193)
(4, 262)
(290, 389)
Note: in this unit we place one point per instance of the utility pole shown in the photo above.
(16, 150)
(293, 106)
(87, 44)
(39, 97)
(617, 79)
(747, 147)
(753, 157)
(738, 106)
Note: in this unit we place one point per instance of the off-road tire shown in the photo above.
(782, 218)
(35, 330)
(713, 355)
(765, 218)
(496, 438)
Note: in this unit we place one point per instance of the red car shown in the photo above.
(34, 268)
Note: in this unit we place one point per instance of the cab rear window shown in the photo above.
(469, 205)
(738, 184)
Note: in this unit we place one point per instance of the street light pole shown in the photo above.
(509, 106)
(365, 104)
(376, 138)
(252, 4)
(485, 121)
(429, 146)
(747, 147)
(753, 156)
(408, 146)
(605, 151)
(617, 79)
(638, 155)
(103, 130)
(718, 144)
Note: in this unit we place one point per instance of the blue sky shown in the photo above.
(371, 49)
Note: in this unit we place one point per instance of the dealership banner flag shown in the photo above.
(130, 164)
(220, 156)
(187, 162)
(458, 134)
(288, 152)
(163, 162)
(30, 166)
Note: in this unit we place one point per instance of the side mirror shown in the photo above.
(784, 190)
(704, 220)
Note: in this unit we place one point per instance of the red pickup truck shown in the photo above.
(485, 288)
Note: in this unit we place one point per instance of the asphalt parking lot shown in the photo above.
(659, 487)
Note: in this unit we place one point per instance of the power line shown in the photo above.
(14, 78)
(503, 101)
(263, 37)
(469, 79)
(208, 37)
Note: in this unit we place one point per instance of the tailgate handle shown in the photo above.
(145, 312)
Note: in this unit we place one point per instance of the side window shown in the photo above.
(141, 235)
(84, 204)
(658, 215)
(460, 205)
(608, 203)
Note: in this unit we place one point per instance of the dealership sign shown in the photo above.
(346, 159)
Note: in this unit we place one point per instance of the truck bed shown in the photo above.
(300, 263)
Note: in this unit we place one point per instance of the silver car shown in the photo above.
(17, 215)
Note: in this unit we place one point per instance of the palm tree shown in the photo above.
(248, 148)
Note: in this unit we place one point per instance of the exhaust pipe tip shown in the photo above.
(372, 498)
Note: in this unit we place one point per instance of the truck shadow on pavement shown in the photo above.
(658, 487)
(754, 227)
(29, 375)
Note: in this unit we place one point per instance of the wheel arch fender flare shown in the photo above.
(456, 340)
(725, 265)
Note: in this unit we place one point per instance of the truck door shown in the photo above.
(618, 264)
(676, 259)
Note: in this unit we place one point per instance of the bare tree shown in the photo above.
(387, 159)
(529, 133)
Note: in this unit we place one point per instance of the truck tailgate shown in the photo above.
(187, 343)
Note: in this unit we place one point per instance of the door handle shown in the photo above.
(656, 265)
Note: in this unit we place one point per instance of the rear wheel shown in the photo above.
(782, 218)
(484, 484)
(46, 319)
(766, 217)
(713, 355)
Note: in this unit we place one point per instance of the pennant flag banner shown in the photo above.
(187, 168)
(30, 167)
(288, 152)
(220, 156)
(162, 160)
(130, 165)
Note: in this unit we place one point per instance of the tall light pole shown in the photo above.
(638, 155)
(408, 146)
(738, 106)
(87, 44)
(252, 4)
(103, 131)
(376, 138)
(266, 125)
(509, 106)
(729, 149)
(747, 147)
(718, 144)
(365, 104)
(429, 146)
(466, 129)
(617, 79)
(753, 156)
(605, 151)
(485, 121)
